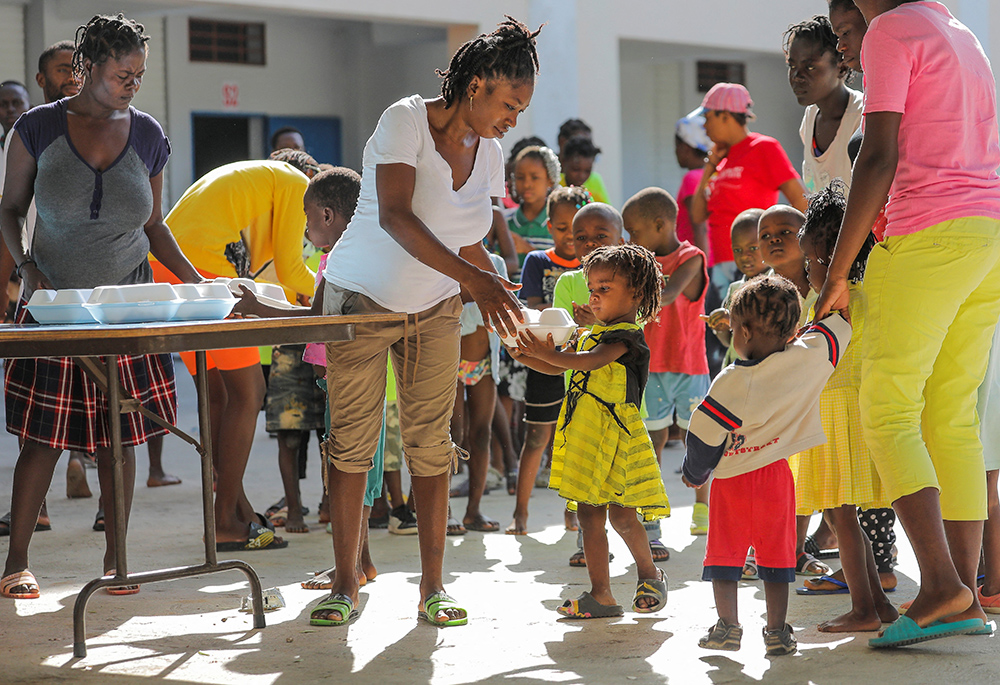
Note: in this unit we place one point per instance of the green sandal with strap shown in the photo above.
(340, 603)
(437, 603)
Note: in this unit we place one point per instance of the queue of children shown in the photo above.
(788, 426)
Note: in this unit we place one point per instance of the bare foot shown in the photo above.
(368, 571)
(519, 526)
(76, 480)
(851, 623)
(160, 479)
(296, 524)
(570, 520)
(480, 524)
(952, 603)
(886, 611)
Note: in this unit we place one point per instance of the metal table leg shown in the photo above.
(122, 576)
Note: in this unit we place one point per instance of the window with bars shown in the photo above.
(710, 73)
(226, 41)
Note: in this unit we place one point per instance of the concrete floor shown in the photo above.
(191, 631)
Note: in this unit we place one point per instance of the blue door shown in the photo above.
(322, 136)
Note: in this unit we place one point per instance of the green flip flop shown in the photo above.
(436, 603)
(342, 604)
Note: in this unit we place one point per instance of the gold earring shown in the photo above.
(470, 102)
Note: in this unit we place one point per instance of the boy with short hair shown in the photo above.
(758, 412)
(678, 365)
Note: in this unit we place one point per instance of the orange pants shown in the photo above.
(224, 360)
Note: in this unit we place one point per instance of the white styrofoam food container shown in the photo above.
(138, 292)
(134, 312)
(60, 306)
(203, 301)
(554, 321)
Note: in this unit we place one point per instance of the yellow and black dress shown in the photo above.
(602, 452)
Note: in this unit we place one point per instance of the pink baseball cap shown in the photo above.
(729, 97)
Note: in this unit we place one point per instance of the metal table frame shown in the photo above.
(96, 350)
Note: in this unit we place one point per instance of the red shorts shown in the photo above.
(755, 509)
(224, 360)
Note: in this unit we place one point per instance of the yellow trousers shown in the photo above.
(933, 299)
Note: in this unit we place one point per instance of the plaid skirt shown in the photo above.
(51, 401)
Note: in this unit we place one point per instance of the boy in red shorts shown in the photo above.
(758, 412)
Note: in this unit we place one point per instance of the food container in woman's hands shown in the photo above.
(60, 306)
(203, 301)
(554, 321)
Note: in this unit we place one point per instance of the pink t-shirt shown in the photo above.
(749, 176)
(921, 62)
(689, 184)
(315, 353)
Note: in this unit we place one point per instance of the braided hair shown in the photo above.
(300, 159)
(107, 36)
(548, 159)
(578, 196)
(640, 269)
(507, 52)
(768, 305)
(580, 146)
(822, 227)
(818, 30)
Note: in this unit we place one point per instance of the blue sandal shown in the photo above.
(905, 631)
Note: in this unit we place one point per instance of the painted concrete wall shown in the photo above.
(627, 68)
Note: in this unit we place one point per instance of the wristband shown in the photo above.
(22, 265)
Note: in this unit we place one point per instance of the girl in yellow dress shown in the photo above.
(603, 458)
(840, 475)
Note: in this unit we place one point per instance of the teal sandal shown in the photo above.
(342, 604)
(438, 602)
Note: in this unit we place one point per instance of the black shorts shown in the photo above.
(543, 396)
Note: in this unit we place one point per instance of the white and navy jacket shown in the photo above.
(758, 412)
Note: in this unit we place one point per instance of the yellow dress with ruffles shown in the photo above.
(602, 453)
(840, 471)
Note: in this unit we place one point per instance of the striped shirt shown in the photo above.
(758, 412)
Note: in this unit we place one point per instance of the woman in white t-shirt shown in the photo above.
(430, 171)
(818, 78)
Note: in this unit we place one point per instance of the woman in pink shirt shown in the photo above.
(933, 292)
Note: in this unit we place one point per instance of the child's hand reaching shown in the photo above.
(583, 316)
(531, 346)
(689, 483)
(718, 320)
(248, 305)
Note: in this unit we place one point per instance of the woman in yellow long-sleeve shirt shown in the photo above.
(233, 221)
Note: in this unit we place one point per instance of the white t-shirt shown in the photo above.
(759, 412)
(818, 172)
(367, 259)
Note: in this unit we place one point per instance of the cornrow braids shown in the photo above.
(544, 155)
(336, 188)
(578, 196)
(580, 146)
(822, 226)
(574, 127)
(107, 36)
(530, 141)
(507, 52)
(768, 305)
(300, 159)
(640, 269)
(818, 30)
